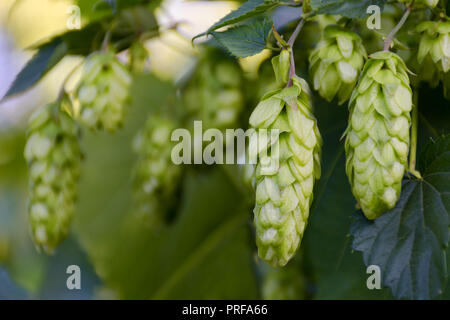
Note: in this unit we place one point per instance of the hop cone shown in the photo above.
(213, 94)
(286, 169)
(156, 176)
(336, 63)
(434, 51)
(103, 92)
(377, 141)
(53, 155)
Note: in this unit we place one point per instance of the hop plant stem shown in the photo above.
(290, 43)
(390, 37)
(414, 125)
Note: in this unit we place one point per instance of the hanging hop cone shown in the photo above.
(377, 141)
(53, 155)
(433, 55)
(103, 92)
(336, 63)
(156, 176)
(213, 94)
(288, 162)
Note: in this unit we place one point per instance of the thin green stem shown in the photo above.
(390, 37)
(272, 48)
(413, 148)
(291, 42)
(106, 40)
(279, 38)
(296, 32)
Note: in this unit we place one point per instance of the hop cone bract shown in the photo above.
(434, 51)
(287, 167)
(377, 141)
(336, 63)
(53, 155)
(103, 91)
(156, 176)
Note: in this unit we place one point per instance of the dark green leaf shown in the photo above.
(409, 241)
(131, 24)
(246, 39)
(41, 63)
(248, 10)
(346, 8)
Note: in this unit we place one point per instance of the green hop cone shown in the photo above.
(423, 3)
(156, 176)
(53, 155)
(433, 55)
(377, 141)
(287, 165)
(103, 92)
(213, 94)
(336, 63)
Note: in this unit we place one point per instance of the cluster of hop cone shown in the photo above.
(100, 103)
(377, 138)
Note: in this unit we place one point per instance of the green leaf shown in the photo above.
(409, 241)
(42, 62)
(248, 10)
(346, 8)
(131, 24)
(246, 39)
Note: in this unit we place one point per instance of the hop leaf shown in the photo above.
(377, 141)
(53, 155)
(156, 176)
(336, 63)
(103, 92)
(287, 166)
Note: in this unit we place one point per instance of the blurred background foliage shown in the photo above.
(208, 251)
